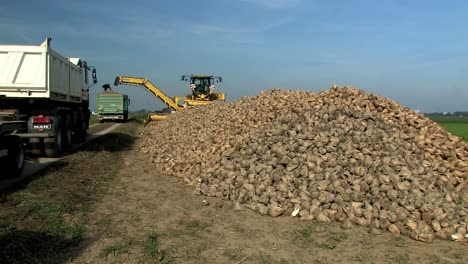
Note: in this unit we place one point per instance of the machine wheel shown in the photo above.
(14, 162)
(54, 146)
(68, 133)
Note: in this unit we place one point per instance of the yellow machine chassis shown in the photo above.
(172, 103)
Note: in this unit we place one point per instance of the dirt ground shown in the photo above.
(147, 217)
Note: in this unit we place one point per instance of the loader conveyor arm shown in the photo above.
(170, 102)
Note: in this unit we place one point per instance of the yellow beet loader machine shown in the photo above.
(202, 86)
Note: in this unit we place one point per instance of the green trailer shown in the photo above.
(112, 106)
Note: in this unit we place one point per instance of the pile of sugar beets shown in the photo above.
(339, 155)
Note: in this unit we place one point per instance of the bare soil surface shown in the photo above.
(147, 217)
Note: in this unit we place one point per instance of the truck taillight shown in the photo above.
(41, 120)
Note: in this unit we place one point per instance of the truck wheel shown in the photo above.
(68, 133)
(81, 132)
(54, 146)
(14, 162)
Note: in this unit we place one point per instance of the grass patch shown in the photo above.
(339, 236)
(117, 248)
(308, 236)
(333, 240)
(150, 246)
(267, 259)
(106, 228)
(399, 241)
(305, 233)
(186, 227)
(449, 119)
(244, 230)
(234, 254)
(153, 250)
(189, 240)
(22, 246)
(93, 119)
(239, 228)
(42, 219)
(192, 227)
(435, 259)
(455, 125)
(402, 259)
(322, 260)
(194, 253)
(365, 258)
(458, 129)
(264, 259)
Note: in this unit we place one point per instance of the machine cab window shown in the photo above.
(202, 86)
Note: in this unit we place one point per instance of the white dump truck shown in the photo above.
(44, 102)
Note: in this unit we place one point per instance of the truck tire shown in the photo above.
(13, 163)
(67, 133)
(81, 130)
(53, 147)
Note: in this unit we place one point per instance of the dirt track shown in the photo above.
(146, 217)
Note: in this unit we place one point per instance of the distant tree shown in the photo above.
(460, 113)
(434, 114)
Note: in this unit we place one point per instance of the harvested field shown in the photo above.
(455, 125)
(341, 155)
(124, 210)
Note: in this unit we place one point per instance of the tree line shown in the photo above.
(458, 113)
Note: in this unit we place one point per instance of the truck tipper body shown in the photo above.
(112, 106)
(48, 93)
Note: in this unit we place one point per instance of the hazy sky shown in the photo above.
(415, 52)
